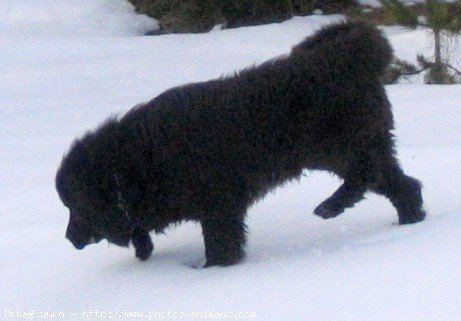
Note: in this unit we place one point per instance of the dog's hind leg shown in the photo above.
(345, 196)
(404, 192)
(224, 239)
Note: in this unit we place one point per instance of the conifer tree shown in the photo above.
(444, 20)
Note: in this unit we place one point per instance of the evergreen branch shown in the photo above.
(453, 68)
(401, 13)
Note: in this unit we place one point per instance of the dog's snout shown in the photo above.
(73, 236)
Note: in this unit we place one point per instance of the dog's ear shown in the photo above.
(142, 243)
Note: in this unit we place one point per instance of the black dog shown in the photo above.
(207, 151)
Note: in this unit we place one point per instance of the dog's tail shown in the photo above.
(352, 47)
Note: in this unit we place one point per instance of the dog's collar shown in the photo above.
(122, 204)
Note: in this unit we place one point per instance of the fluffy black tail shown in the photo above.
(351, 47)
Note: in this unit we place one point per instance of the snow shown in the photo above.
(378, 4)
(370, 3)
(71, 18)
(361, 266)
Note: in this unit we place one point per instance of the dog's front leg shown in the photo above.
(224, 240)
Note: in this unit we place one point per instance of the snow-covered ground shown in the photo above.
(57, 83)
(70, 18)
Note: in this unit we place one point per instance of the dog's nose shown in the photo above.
(78, 244)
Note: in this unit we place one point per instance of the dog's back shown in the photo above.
(267, 123)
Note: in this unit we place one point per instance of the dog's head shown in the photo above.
(87, 187)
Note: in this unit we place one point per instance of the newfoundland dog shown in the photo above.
(207, 151)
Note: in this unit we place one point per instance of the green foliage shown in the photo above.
(249, 12)
(443, 19)
(400, 13)
(399, 69)
(438, 15)
(202, 15)
(181, 15)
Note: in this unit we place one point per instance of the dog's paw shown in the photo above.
(143, 245)
(327, 211)
(225, 260)
(411, 219)
(143, 253)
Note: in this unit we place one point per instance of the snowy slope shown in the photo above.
(70, 18)
(358, 267)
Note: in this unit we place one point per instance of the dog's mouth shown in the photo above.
(94, 240)
(79, 245)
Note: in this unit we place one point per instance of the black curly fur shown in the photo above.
(207, 151)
